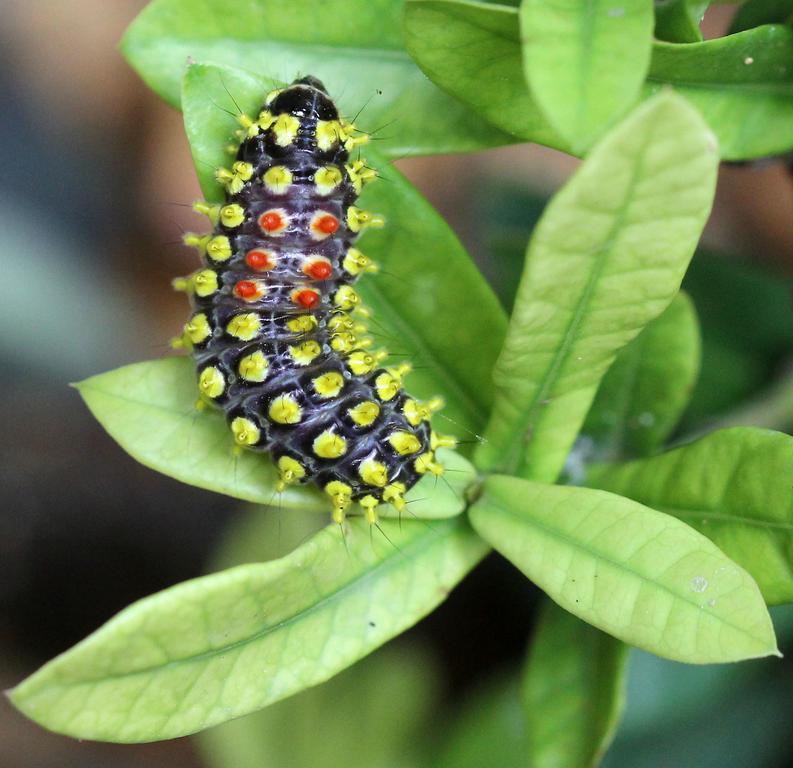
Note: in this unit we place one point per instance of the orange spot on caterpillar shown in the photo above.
(319, 269)
(259, 260)
(272, 222)
(249, 290)
(327, 224)
(306, 298)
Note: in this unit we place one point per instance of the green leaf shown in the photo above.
(573, 691)
(755, 13)
(372, 716)
(416, 300)
(472, 51)
(353, 46)
(585, 62)
(607, 257)
(677, 21)
(735, 486)
(644, 393)
(224, 645)
(488, 730)
(149, 409)
(642, 576)
(742, 84)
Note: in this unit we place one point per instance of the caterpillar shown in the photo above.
(278, 332)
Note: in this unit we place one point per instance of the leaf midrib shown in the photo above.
(434, 534)
(621, 566)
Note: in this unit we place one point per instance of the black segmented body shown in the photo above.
(299, 305)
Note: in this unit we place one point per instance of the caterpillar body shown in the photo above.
(278, 332)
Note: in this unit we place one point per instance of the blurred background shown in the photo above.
(95, 185)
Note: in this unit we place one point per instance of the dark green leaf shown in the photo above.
(677, 21)
(735, 486)
(221, 646)
(372, 716)
(642, 576)
(353, 46)
(755, 13)
(606, 258)
(573, 691)
(585, 62)
(649, 385)
(743, 84)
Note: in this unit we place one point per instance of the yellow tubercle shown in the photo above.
(343, 342)
(373, 472)
(393, 494)
(341, 498)
(284, 409)
(245, 432)
(358, 219)
(302, 324)
(329, 445)
(442, 441)
(277, 179)
(346, 298)
(218, 248)
(326, 179)
(364, 414)
(232, 215)
(285, 129)
(244, 327)
(305, 353)
(212, 212)
(355, 262)
(205, 282)
(196, 241)
(197, 328)
(253, 367)
(386, 386)
(361, 362)
(211, 382)
(328, 134)
(426, 463)
(369, 505)
(290, 471)
(360, 174)
(328, 384)
(404, 443)
(416, 412)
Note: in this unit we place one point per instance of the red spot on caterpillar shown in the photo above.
(259, 260)
(306, 298)
(247, 289)
(272, 222)
(319, 269)
(327, 224)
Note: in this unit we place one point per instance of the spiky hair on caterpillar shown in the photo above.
(278, 331)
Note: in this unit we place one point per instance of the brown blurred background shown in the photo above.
(95, 176)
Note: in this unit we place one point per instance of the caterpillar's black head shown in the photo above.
(305, 97)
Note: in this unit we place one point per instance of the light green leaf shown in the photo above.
(573, 691)
(644, 393)
(416, 299)
(742, 84)
(353, 46)
(642, 576)
(607, 257)
(149, 409)
(677, 21)
(585, 61)
(758, 12)
(221, 646)
(735, 486)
